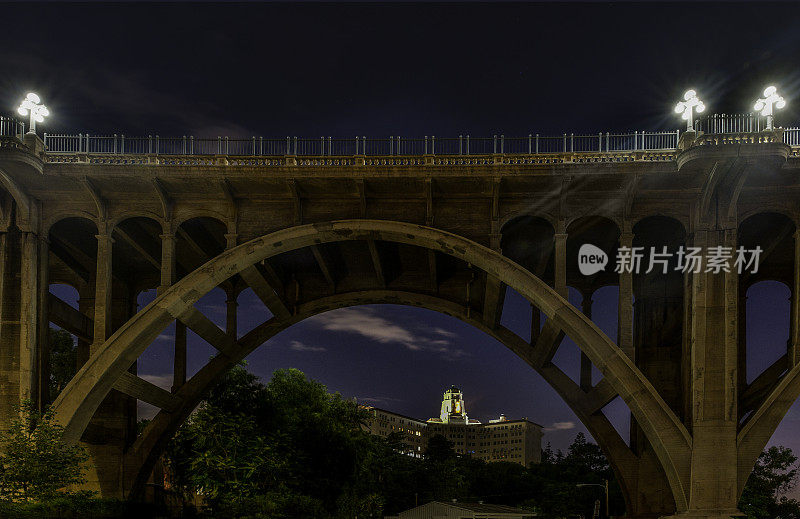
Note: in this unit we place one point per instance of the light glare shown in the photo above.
(30, 106)
(688, 106)
(765, 105)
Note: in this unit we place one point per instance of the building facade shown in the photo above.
(516, 441)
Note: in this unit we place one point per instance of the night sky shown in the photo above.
(411, 70)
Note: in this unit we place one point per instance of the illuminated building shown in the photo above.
(516, 441)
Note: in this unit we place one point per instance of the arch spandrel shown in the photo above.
(78, 401)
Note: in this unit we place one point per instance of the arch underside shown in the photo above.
(670, 439)
(149, 445)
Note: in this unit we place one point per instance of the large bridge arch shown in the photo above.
(150, 444)
(77, 403)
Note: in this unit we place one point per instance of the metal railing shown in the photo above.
(10, 127)
(791, 136)
(361, 145)
(533, 144)
(731, 123)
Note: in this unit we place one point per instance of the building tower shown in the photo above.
(453, 410)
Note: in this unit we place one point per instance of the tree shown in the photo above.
(775, 473)
(557, 476)
(285, 449)
(36, 463)
(439, 449)
(63, 360)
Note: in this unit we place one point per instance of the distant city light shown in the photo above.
(31, 105)
(771, 99)
(690, 104)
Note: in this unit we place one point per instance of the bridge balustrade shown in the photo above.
(725, 128)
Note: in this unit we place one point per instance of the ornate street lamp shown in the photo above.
(690, 104)
(31, 105)
(771, 99)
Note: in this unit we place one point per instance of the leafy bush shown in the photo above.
(36, 464)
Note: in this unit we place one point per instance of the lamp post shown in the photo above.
(765, 105)
(690, 104)
(31, 105)
(604, 486)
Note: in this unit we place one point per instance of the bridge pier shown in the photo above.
(658, 322)
(712, 487)
(110, 302)
(19, 321)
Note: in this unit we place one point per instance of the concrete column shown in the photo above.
(231, 240)
(586, 364)
(536, 323)
(9, 326)
(20, 321)
(112, 429)
(103, 287)
(741, 336)
(794, 354)
(713, 490)
(179, 364)
(43, 360)
(625, 305)
(560, 244)
(168, 269)
(29, 314)
(654, 337)
(86, 307)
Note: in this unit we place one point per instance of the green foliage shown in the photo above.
(289, 449)
(35, 461)
(63, 360)
(275, 449)
(774, 474)
(79, 505)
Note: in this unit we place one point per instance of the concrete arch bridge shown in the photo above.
(310, 232)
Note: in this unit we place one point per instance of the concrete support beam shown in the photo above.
(625, 305)
(560, 246)
(145, 391)
(324, 266)
(127, 238)
(179, 362)
(547, 343)
(70, 319)
(599, 396)
(493, 297)
(586, 364)
(265, 292)
(756, 391)
(9, 326)
(200, 251)
(433, 270)
(207, 330)
(536, 324)
(168, 262)
(29, 317)
(102, 298)
(81, 266)
(714, 363)
(376, 263)
(741, 337)
(43, 323)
